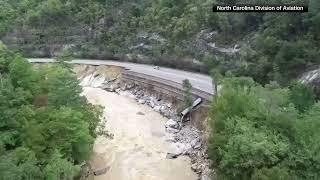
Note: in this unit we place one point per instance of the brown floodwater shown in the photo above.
(138, 149)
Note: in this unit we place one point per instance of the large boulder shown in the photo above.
(171, 155)
(196, 143)
(129, 86)
(141, 101)
(180, 149)
(205, 177)
(157, 108)
(172, 124)
(175, 150)
(110, 87)
(152, 102)
(172, 130)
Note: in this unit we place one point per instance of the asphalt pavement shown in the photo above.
(198, 81)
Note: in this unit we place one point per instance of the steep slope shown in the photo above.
(180, 34)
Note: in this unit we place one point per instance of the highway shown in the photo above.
(198, 81)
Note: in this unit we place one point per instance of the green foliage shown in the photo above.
(301, 96)
(46, 128)
(7, 15)
(274, 47)
(259, 132)
(60, 168)
(284, 46)
(264, 132)
(19, 164)
(188, 100)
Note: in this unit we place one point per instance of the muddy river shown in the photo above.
(138, 149)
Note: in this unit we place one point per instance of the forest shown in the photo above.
(264, 123)
(47, 129)
(179, 34)
(265, 132)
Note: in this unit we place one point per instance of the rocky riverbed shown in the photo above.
(183, 138)
(139, 148)
(178, 138)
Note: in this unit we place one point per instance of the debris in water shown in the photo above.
(171, 156)
(140, 113)
(101, 171)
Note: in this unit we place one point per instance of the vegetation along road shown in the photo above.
(199, 81)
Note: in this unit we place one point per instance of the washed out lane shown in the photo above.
(138, 150)
(198, 81)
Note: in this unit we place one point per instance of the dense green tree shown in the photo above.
(259, 131)
(274, 46)
(60, 168)
(187, 87)
(264, 132)
(301, 96)
(46, 128)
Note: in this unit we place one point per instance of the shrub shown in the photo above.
(264, 132)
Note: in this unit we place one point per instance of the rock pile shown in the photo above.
(188, 141)
(184, 139)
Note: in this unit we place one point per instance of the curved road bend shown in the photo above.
(198, 81)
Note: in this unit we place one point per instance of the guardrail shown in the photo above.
(165, 86)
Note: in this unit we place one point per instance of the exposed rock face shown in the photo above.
(145, 42)
(105, 77)
(312, 78)
(205, 41)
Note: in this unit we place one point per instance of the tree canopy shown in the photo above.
(46, 128)
(274, 46)
(264, 132)
(263, 126)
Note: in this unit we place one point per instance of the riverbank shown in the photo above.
(139, 147)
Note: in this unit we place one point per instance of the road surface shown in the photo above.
(198, 81)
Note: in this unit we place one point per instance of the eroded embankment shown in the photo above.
(139, 147)
(169, 133)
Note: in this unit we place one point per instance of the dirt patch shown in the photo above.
(106, 71)
(198, 116)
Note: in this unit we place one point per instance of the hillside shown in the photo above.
(179, 34)
(262, 123)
